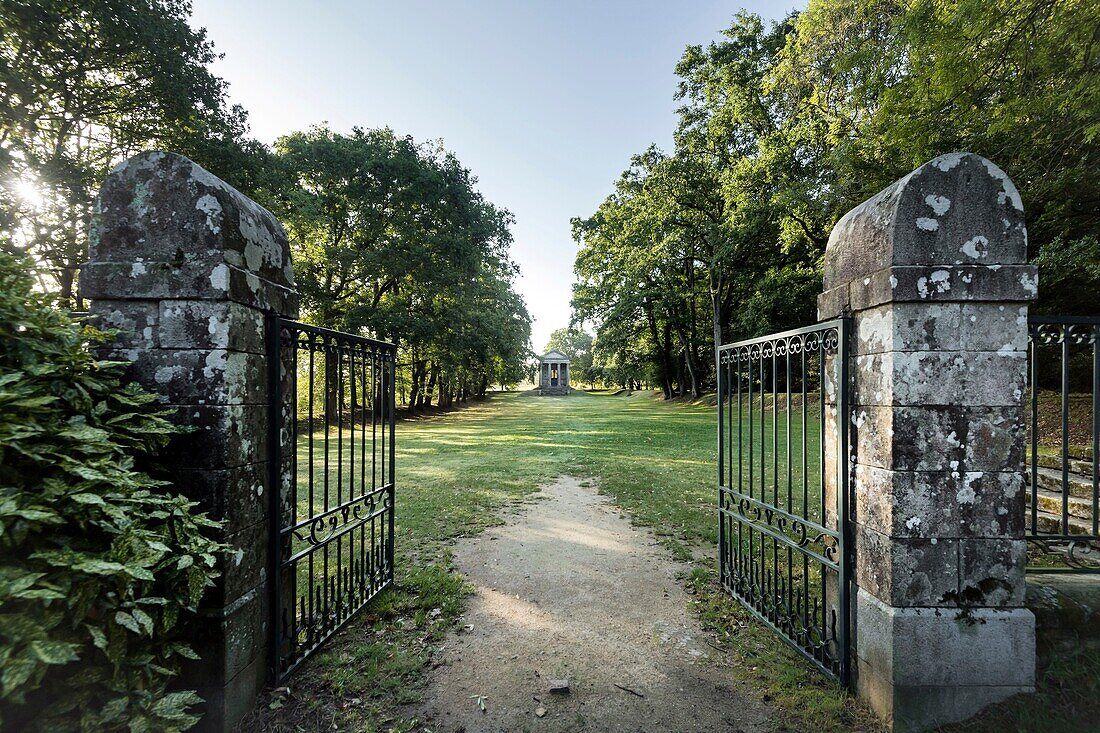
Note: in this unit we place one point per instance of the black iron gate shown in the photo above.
(782, 430)
(331, 443)
(1063, 462)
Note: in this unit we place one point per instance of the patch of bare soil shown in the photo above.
(571, 592)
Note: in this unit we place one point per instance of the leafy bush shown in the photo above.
(99, 567)
(1069, 276)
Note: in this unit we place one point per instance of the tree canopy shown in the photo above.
(391, 237)
(784, 127)
(85, 84)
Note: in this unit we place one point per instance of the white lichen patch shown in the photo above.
(912, 523)
(138, 269)
(219, 278)
(1030, 283)
(976, 247)
(893, 282)
(927, 224)
(938, 282)
(939, 204)
(1008, 188)
(216, 363)
(210, 206)
(165, 374)
(948, 161)
(253, 256)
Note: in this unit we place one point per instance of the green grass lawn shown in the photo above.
(457, 473)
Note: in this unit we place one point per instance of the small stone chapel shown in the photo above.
(553, 373)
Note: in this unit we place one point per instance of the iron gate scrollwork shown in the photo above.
(783, 496)
(331, 443)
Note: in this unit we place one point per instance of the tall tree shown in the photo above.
(84, 84)
(392, 239)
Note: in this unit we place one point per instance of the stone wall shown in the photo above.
(932, 272)
(186, 267)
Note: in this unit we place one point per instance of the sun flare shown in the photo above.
(29, 193)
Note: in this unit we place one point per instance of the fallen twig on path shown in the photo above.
(627, 689)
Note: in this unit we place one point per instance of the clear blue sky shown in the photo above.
(544, 101)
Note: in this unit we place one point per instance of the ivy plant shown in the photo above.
(101, 566)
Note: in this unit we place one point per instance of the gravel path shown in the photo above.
(569, 590)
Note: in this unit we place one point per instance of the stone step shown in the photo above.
(1065, 603)
(1076, 465)
(1051, 501)
(1050, 479)
(1051, 523)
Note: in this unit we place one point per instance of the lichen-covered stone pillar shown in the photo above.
(932, 272)
(185, 267)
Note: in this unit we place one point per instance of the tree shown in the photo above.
(84, 85)
(882, 87)
(391, 239)
(784, 128)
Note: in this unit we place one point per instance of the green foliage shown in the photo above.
(99, 568)
(392, 239)
(1070, 268)
(785, 128)
(85, 84)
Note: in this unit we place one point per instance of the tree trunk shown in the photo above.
(332, 388)
(662, 364)
(429, 392)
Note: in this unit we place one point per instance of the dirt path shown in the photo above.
(570, 590)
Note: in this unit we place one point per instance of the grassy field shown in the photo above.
(458, 473)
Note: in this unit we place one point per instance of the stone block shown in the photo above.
(243, 568)
(908, 327)
(235, 496)
(136, 322)
(199, 376)
(226, 705)
(164, 207)
(907, 571)
(938, 438)
(991, 378)
(197, 279)
(922, 667)
(230, 638)
(956, 209)
(993, 327)
(1004, 284)
(221, 436)
(211, 325)
(941, 504)
(991, 572)
(919, 708)
(941, 327)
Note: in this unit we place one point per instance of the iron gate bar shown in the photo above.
(784, 601)
(1064, 332)
(336, 587)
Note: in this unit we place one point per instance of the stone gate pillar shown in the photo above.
(185, 267)
(932, 272)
